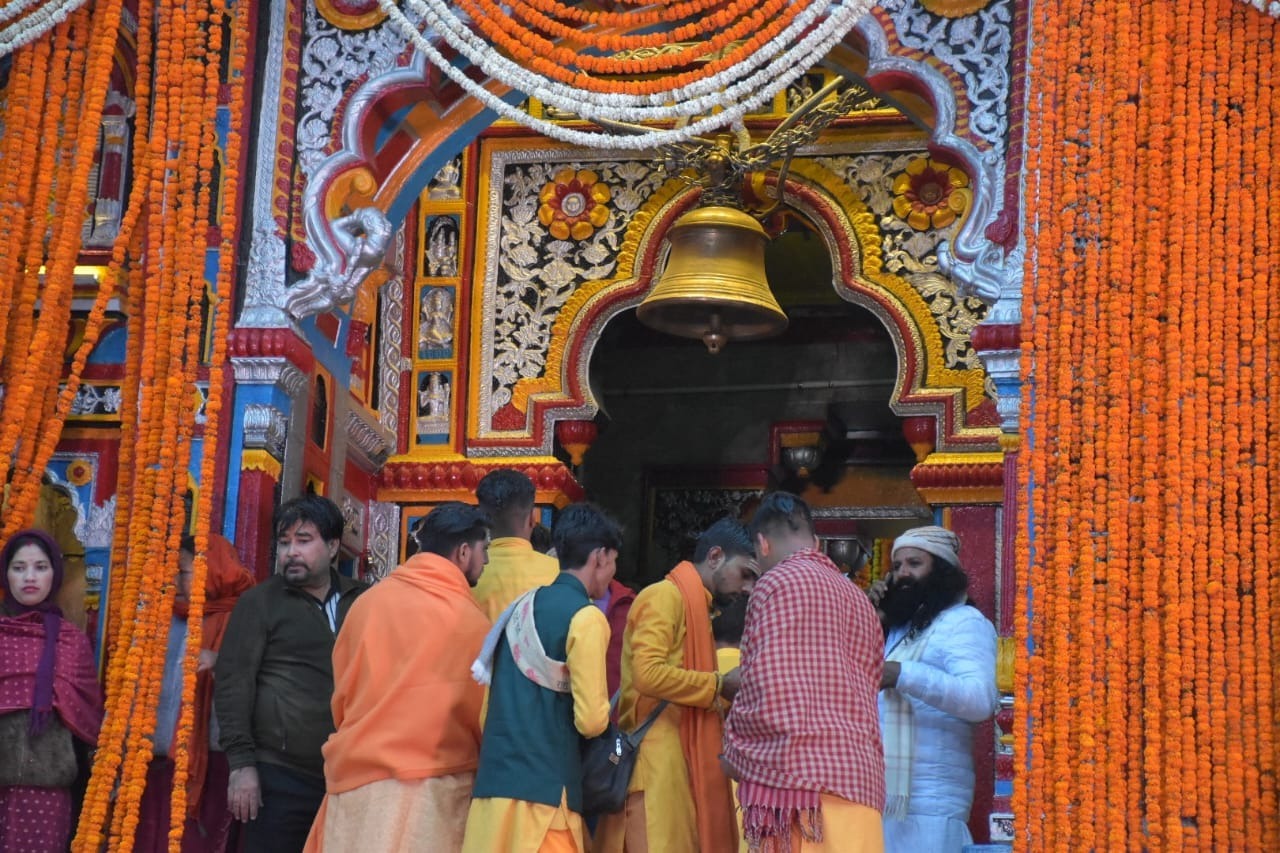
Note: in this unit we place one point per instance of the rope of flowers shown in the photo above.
(219, 318)
(1150, 327)
(174, 291)
(18, 382)
(169, 203)
(23, 23)
(40, 325)
(734, 99)
(661, 98)
(532, 38)
(50, 417)
(24, 91)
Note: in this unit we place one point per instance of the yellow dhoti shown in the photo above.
(501, 825)
(846, 828)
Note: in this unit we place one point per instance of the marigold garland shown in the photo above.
(1150, 335)
(715, 95)
(160, 253)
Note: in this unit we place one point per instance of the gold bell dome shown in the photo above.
(714, 287)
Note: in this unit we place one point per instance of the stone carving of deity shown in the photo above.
(442, 253)
(436, 321)
(444, 186)
(433, 404)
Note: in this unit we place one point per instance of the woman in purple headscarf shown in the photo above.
(49, 694)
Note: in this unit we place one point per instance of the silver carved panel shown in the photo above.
(390, 348)
(333, 59)
(384, 539)
(529, 275)
(265, 428)
(264, 277)
(978, 47)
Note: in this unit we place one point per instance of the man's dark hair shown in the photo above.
(729, 621)
(780, 512)
(919, 606)
(540, 538)
(321, 512)
(506, 495)
(450, 525)
(581, 529)
(188, 544)
(727, 533)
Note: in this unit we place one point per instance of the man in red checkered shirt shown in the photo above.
(803, 735)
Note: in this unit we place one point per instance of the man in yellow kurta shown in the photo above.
(727, 627)
(679, 800)
(507, 497)
(399, 769)
(528, 791)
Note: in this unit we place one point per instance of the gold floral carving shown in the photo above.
(351, 16)
(954, 8)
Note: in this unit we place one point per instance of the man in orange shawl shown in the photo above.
(679, 800)
(208, 820)
(399, 769)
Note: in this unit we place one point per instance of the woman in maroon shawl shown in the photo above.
(49, 694)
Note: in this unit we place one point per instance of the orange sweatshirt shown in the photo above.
(404, 702)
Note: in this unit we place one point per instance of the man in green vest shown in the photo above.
(528, 791)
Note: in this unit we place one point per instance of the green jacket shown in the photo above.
(531, 750)
(274, 676)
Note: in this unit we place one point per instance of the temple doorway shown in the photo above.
(687, 436)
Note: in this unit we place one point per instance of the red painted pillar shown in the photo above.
(257, 501)
(979, 548)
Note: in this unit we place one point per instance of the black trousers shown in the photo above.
(290, 801)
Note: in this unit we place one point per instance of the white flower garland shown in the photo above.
(736, 91)
(460, 36)
(24, 22)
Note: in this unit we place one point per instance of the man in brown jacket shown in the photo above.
(274, 679)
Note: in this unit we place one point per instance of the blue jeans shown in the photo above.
(290, 801)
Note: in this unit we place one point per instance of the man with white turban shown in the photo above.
(939, 681)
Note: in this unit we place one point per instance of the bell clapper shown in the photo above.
(713, 337)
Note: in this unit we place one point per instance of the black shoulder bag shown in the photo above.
(607, 762)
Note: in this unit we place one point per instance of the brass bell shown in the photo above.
(714, 287)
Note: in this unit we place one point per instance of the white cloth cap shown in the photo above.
(938, 541)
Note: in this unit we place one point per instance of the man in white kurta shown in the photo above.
(939, 681)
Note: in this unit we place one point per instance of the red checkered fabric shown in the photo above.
(805, 718)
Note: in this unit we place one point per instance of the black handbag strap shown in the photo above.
(638, 735)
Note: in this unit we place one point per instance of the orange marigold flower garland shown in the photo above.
(24, 89)
(218, 316)
(750, 27)
(43, 362)
(1266, 306)
(779, 41)
(1166, 507)
(170, 199)
(97, 80)
(20, 384)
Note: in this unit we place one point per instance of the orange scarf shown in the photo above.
(702, 731)
(226, 580)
